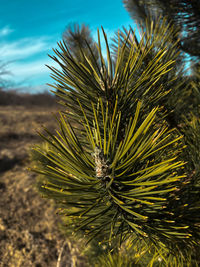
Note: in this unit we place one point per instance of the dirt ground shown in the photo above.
(29, 234)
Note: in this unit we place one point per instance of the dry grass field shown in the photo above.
(29, 233)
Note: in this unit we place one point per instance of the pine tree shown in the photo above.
(123, 172)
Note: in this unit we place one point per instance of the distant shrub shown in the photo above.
(12, 97)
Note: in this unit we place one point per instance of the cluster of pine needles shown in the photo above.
(123, 166)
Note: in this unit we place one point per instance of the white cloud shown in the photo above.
(29, 69)
(23, 48)
(27, 58)
(33, 72)
(5, 31)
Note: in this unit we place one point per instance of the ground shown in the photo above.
(29, 232)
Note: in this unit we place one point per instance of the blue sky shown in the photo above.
(30, 29)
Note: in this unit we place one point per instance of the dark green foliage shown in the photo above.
(117, 165)
(184, 14)
(79, 42)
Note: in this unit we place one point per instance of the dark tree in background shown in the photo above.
(184, 14)
(80, 42)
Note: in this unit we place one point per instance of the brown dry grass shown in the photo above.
(29, 234)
